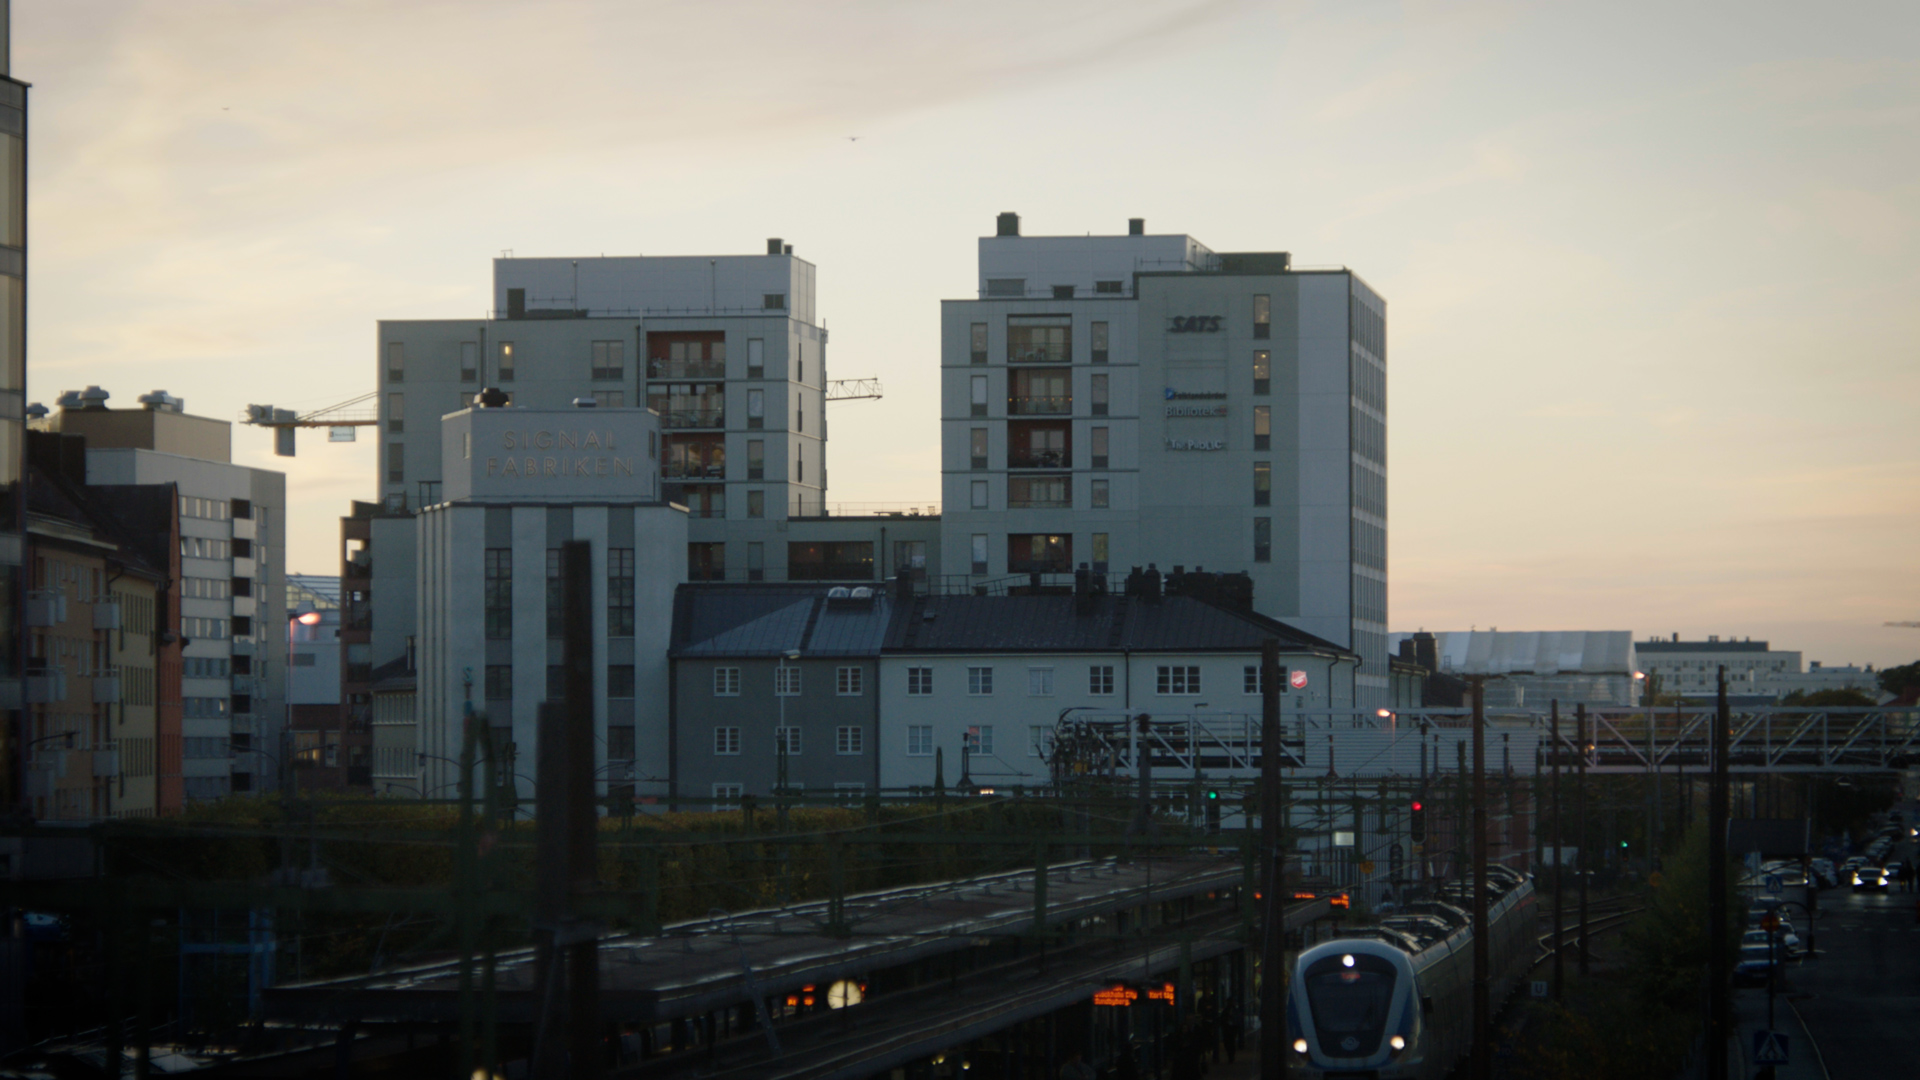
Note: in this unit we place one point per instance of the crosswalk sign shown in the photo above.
(1769, 1048)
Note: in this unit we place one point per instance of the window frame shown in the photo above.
(1100, 680)
(980, 681)
(726, 740)
(919, 682)
(726, 682)
(1177, 680)
(849, 740)
(850, 681)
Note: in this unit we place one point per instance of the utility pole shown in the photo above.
(1482, 975)
(1273, 945)
(1718, 1030)
(1580, 733)
(1559, 863)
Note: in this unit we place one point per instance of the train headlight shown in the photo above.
(1299, 1046)
(1398, 1042)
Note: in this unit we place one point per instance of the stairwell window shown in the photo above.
(396, 362)
(1099, 339)
(979, 395)
(1262, 371)
(497, 593)
(506, 361)
(1263, 483)
(1097, 437)
(1263, 427)
(1262, 540)
(469, 361)
(979, 343)
(1099, 395)
(1262, 317)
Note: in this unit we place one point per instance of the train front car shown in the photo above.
(1355, 1007)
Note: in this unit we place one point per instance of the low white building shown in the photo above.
(996, 674)
(1691, 668)
(1533, 669)
(520, 483)
(1820, 677)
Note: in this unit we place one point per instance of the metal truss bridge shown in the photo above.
(1410, 743)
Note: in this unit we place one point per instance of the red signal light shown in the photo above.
(1416, 805)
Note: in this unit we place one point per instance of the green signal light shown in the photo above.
(1212, 794)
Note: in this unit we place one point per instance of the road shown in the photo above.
(1863, 989)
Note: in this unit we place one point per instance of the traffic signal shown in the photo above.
(1417, 821)
(1213, 794)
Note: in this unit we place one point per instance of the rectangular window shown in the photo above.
(1100, 680)
(610, 399)
(609, 360)
(1262, 483)
(619, 742)
(1039, 740)
(800, 463)
(849, 681)
(707, 561)
(979, 341)
(980, 739)
(1099, 447)
(979, 495)
(499, 682)
(1262, 371)
(979, 399)
(919, 740)
(980, 680)
(1040, 682)
(756, 409)
(756, 459)
(1099, 395)
(726, 740)
(1098, 494)
(1039, 343)
(1109, 288)
(396, 413)
(756, 358)
(727, 796)
(726, 682)
(1262, 539)
(1262, 317)
(619, 680)
(756, 561)
(620, 579)
(396, 362)
(1250, 679)
(1047, 553)
(506, 361)
(799, 413)
(788, 738)
(979, 553)
(396, 462)
(786, 681)
(977, 447)
(469, 361)
(774, 301)
(1054, 492)
(1063, 292)
(919, 681)
(497, 593)
(756, 503)
(849, 740)
(1183, 679)
(1263, 427)
(1099, 343)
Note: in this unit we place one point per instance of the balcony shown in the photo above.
(694, 470)
(1039, 459)
(1040, 406)
(1037, 352)
(686, 369)
(694, 419)
(46, 607)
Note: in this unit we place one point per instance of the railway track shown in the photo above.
(1601, 917)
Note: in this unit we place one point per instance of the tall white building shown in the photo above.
(1123, 400)
(233, 606)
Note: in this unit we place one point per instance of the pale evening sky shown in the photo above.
(1651, 268)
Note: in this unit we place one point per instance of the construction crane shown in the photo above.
(339, 420)
(853, 389)
(1910, 625)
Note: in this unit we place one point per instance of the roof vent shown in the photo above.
(1007, 224)
(773, 245)
(839, 592)
(585, 403)
(161, 401)
(37, 411)
(1136, 226)
(862, 592)
(492, 397)
(94, 398)
(68, 399)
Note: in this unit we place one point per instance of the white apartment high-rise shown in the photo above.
(1124, 400)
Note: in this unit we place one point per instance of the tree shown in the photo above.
(1834, 699)
(1901, 681)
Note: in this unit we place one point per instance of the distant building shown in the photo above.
(329, 751)
(867, 688)
(1116, 401)
(1534, 669)
(1691, 668)
(103, 731)
(13, 400)
(521, 483)
(1820, 677)
(232, 571)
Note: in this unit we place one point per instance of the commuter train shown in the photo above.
(1395, 1001)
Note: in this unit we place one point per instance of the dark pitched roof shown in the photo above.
(772, 619)
(1055, 623)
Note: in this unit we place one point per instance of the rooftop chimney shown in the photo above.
(773, 245)
(1136, 226)
(1007, 224)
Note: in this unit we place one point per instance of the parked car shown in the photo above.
(1825, 874)
(1756, 964)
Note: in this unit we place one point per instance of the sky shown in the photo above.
(1650, 268)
